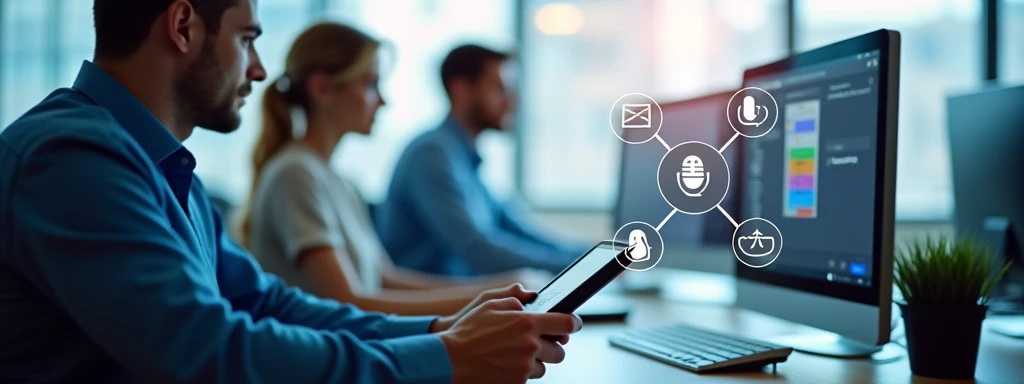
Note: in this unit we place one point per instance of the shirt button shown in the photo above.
(184, 161)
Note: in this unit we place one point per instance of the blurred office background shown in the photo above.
(575, 58)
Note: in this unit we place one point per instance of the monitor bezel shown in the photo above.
(880, 290)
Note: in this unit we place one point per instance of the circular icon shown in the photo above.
(644, 246)
(757, 242)
(693, 177)
(752, 112)
(635, 118)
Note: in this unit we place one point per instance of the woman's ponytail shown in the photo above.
(276, 132)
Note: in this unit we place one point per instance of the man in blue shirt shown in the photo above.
(438, 216)
(115, 268)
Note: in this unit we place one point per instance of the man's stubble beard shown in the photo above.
(203, 95)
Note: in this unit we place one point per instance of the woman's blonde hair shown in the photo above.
(336, 49)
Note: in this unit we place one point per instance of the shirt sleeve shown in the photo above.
(96, 241)
(298, 209)
(443, 204)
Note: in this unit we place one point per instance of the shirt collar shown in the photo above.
(134, 117)
(453, 128)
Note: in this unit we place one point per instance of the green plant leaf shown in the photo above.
(944, 271)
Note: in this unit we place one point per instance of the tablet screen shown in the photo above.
(570, 279)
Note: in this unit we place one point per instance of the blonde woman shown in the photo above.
(308, 224)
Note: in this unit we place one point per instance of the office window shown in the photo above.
(27, 74)
(579, 57)
(1011, 41)
(941, 54)
(421, 33)
(76, 39)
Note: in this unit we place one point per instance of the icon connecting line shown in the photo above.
(734, 136)
(727, 216)
(662, 141)
(665, 220)
(684, 177)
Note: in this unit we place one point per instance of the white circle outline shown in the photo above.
(728, 107)
(661, 251)
(737, 230)
(728, 180)
(612, 113)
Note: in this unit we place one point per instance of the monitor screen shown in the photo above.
(814, 175)
(697, 119)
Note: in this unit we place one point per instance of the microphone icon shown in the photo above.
(693, 176)
(750, 111)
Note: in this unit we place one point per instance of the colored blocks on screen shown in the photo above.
(801, 154)
(801, 167)
(798, 198)
(801, 182)
(804, 126)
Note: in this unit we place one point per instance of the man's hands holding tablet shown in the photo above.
(494, 341)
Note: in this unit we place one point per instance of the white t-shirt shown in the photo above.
(301, 203)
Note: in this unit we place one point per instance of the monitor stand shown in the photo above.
(826, 344)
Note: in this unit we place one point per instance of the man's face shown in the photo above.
(491, 99)
(214, 87)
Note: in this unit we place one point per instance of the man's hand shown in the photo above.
(499, 343)
(532, 279)
(513, 291)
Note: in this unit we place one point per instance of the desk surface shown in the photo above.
(590, 359)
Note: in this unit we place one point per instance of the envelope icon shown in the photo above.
(636, 116)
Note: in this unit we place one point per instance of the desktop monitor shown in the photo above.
(696, 119)
(986, 130)
(837, 104)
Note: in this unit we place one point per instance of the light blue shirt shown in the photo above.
(440, 218)
(115, 268)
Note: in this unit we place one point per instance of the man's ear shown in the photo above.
(184, 27)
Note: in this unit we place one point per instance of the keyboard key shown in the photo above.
(730, 355)
(653, 347)
(761, 348)
(718, 356)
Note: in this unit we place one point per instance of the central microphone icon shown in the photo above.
(693, 176)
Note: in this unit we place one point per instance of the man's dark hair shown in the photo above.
(467, 61)
(122, 25)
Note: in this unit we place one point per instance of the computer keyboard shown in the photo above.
(700, 350)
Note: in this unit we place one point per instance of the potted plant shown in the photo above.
(945, 286)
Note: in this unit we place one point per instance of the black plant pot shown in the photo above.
(942, 340)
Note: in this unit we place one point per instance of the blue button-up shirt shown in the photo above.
(115, 268)
(440, 218)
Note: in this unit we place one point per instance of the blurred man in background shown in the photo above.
(438, 216)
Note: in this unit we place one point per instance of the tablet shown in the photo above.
(581, 280)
